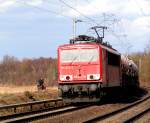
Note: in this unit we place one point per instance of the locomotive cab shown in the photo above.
(80, 70)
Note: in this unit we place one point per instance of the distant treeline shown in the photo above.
(143, 62)
(27, 71)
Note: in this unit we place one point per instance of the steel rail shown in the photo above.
(38, 116)
(134, 118)
(14, 118)
(21, 114)
(105, 116)
(15, 106)
(29, 104)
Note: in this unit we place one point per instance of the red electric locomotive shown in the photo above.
(87, 67)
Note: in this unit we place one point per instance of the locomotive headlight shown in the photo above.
(62, 77)
(93, 76)
(93, 87)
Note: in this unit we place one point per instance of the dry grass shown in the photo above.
(18, 89)
(20, 94)
(21, 89)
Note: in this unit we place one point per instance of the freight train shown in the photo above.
(87, 68)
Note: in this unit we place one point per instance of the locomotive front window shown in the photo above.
(82, 55)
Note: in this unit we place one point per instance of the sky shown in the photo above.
(35, 28)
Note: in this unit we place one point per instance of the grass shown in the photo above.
(13, 95)
(16, 89)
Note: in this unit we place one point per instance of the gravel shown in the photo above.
(83, 114)
(121, 117)
(144, 119)
(95, 111)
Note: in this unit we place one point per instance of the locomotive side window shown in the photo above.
(113, 59)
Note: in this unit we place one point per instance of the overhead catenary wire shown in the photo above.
(52, 3)
(121, 42)
(46, 10)
(41, 8)
(85, 21)
(106, 18)
(94, 8)
(104, 15)
(91, 19)
(92, 5)
(56, 13)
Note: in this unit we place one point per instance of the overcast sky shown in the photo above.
(35, 28)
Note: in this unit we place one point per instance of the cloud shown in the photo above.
(134, 23)
(5, 5)
(97, 7)
(135, 17)
(34, 2)
(137, 31)
(138, 27)
(142, 22)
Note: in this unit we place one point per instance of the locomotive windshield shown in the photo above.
(79, 55)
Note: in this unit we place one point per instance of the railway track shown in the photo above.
(138, 116)
(40, 115)
(30, 105)
(51, 112)
(22, 114)
(110, 117)
(68, 109)
(13, 110)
